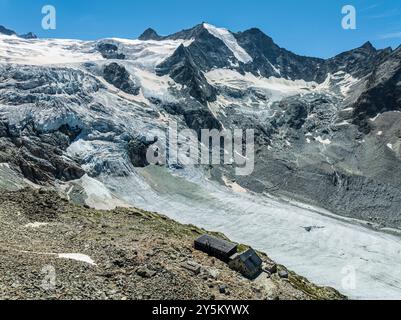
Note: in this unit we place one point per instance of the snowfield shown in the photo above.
(46, 51)
(145, 54)
(278, 88)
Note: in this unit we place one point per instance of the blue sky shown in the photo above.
(308, 27)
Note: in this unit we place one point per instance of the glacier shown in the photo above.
(276, 226)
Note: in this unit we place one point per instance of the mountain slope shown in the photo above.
(119, 255)
(80, 115)
(8, 32)
(207, 77)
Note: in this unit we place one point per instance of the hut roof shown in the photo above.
(251, 259)
(220, 245)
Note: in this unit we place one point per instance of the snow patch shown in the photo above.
(147, 54)
(323, 141)
(69, 256)
(77, 257)
(234, 186)
(375, 118)
(341, 80)
(36, 225)
(154, 86)
(276, 70)
(275, 88)
(230, 41)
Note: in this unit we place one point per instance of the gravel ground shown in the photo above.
(53, 249)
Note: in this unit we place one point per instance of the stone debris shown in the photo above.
(144, 272)
(222, 288)
(192, 266)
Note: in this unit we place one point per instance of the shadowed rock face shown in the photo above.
(188, 64)
(119, 77)
(28, 36)
(150, 34)
(271, 60)
(295, 115)
(358, 62)
(7, 32)
(182, 67)
(137, 151)
(110, 51)
(39, 157)
(383, 91)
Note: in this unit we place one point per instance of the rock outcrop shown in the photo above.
(119, 77)
(150, 34)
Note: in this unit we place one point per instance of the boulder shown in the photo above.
(283, 274)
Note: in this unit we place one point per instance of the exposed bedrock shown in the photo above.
(305, 151)
(383, 92)
(40, 157)
(137, 150)
(119, 77)
(182, 67)
(110, 51)
(347, 195)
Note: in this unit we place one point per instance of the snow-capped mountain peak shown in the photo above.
(149, 34)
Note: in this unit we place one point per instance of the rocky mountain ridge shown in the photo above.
(9, 32)
(123, 254)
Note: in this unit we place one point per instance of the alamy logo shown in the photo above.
(349, 20)
(49, 279)
(49, 20)
(207, 147)
(348, 282)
